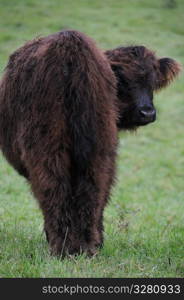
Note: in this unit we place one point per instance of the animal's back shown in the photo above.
(57, 92)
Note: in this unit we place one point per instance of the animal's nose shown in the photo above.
(148, 113)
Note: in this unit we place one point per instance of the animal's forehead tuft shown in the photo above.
(132, 54)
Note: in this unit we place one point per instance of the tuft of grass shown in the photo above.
(144, 220)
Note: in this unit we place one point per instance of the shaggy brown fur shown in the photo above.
(139, 74)
(58, 116)
(58, 129)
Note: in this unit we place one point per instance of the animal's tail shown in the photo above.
(87, 81)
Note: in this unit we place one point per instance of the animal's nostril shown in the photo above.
(147, 113)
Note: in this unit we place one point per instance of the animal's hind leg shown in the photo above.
(85, 203)
(91, 193)
(60, 227)
(105, 177)
(52, 187)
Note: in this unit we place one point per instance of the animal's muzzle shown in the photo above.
(147, 115)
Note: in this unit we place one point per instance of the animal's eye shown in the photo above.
(133, 87)
(123, 79)
(126, 85)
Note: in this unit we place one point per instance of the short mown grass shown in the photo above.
(144, 221)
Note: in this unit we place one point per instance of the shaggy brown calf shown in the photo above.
(58, 126)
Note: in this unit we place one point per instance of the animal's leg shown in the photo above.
(90, 196)
(51, 185)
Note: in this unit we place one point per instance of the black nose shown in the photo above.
(148, 113)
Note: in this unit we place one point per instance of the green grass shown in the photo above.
(144, 228)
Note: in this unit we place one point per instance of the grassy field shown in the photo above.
(144, 222)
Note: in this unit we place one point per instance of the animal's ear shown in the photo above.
(168, 70)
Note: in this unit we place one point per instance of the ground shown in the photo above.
(144, 228)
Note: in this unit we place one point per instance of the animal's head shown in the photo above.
(139, 74)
